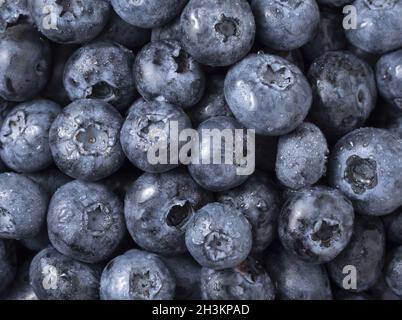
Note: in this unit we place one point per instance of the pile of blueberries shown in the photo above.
(88, 87)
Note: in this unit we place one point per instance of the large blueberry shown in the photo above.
(84, 140)
(268, 93)
(164, 71)
(137, 275)
(147, 133)
(56, 277)
(316, 224)
(23, 206)
(158, 208)
(170, 31)
(26, 63)
(24, 136)
(286, 24)
(148, 13)
(102, 71)
(366, 166)
(344, 92)
(85, 221)
(70, 21)
(217, 32)
(219, 236)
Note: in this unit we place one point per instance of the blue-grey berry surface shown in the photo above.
(393, 271)
(24, 136)
(137, 275)
(12, 12)
(85, 221)
(8, 263)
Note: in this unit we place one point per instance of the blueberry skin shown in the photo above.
(25, 73)
(213, 103)
(164, 71)
(158, 208)
(24, 136)
(365, 251)
(302, 157)
(170, 31)
(56, 277)
(216, 177)
(13, 12)
(219, 236)
(146, 127)
(330, 35)
(187, 274)
(247, 281)
(296, 279)
(316, 224)
(293, 56)
(84, 140)
(344, 92)
(389, 78)
(148, 13)
(258, 200)
(70, 21)
(274, 28)
(395, 125)
(268, 93)
(366, 165)
(129, 36)
(102, 71)
(8, 263)
(393, 271)
(23, 207)
(393, 226)
(381, 291)
(85, 221)
(37, 243)
(379, 26)
(217, 32)
(137, 275)
(50, 179)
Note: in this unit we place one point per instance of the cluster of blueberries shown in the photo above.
(88, 87)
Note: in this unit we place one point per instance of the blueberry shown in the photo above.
(149, 13)
(381, 291)
(217, 32)
(379, 25)
(247, 281)
(393, 226)
(56, 277)
(164, 71)
(70, 21)
(219, 236)
(213, 104)
(389, 77)
(137, 275)
(258, 200)
(85, 221)
(295, 279)
(366, 166)
(285, 25)
(147, 127)
(129, 36)
(103, 71)
(13, 12)
(302, 156)
(24, 136)
(20, 289)
(170, 31)
(158, 208)
(344, 92)
(8, 263)
(393, 271)
(365, 252)
(268, 93)
(23, 207)
(26, 70)
(330, 35)
(187, 274)
(204, 170)
(84, 140)
(50, 179)
(294, 56)
(395, 125)
(316, 224)
(38, 242)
